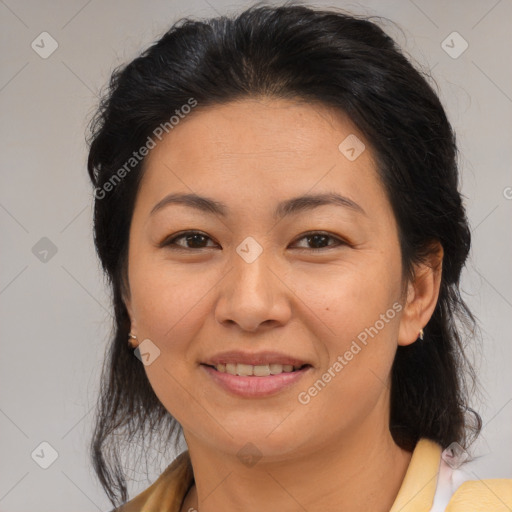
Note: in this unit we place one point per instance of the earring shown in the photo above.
(421, 334)
(131, 337)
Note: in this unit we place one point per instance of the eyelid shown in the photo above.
(170, 241)
(340, 241)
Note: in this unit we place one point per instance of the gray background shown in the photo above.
(55, 315)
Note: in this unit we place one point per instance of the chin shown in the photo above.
(254, 443)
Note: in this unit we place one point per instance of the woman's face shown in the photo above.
(251, 280)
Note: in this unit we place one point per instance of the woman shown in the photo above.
(277, 211)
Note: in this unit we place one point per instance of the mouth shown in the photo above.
(248, 370)
(255, 381)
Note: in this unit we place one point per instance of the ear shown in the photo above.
(422, 295)
(133, 323)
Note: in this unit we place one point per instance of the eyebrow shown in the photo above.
(285, 208)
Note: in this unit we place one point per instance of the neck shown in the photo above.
(358, 472)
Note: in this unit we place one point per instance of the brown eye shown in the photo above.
(318, 240)
(192, 240)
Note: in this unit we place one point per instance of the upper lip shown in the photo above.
(254, 359)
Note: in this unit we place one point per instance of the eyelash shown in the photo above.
(170, 242)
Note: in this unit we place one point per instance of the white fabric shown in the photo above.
(448, 481)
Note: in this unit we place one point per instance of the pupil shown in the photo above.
(194, 237)
(316, 237)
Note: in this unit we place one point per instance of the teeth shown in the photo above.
(275, 369)
(244, 369)
(247, 370)
(261, 371)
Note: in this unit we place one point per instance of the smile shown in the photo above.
(255, 381)
(248, 370)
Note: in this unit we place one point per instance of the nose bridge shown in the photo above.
(252, 293)
(252, 274)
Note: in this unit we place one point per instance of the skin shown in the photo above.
(336, 452)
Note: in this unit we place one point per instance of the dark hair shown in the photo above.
(344, 62)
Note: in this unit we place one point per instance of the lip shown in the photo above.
(254, 359)
(253, 387)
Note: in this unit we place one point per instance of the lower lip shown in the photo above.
(255, 386)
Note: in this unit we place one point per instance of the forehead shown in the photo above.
(252, 148)
(259, 129)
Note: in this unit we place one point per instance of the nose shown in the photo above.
(253, 295)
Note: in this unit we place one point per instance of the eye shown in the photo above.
(315, 240)
(196, 239)
(319, 238)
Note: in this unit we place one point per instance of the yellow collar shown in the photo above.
(417, 491)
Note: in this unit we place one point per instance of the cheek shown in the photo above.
(171, 307)
(167, 298)
(357, 317)
(355, 374)
(349, 297)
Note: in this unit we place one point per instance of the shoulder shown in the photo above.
(440, 480)
(457, 489)
(482, 496)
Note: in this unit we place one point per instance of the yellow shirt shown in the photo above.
(415, 495)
